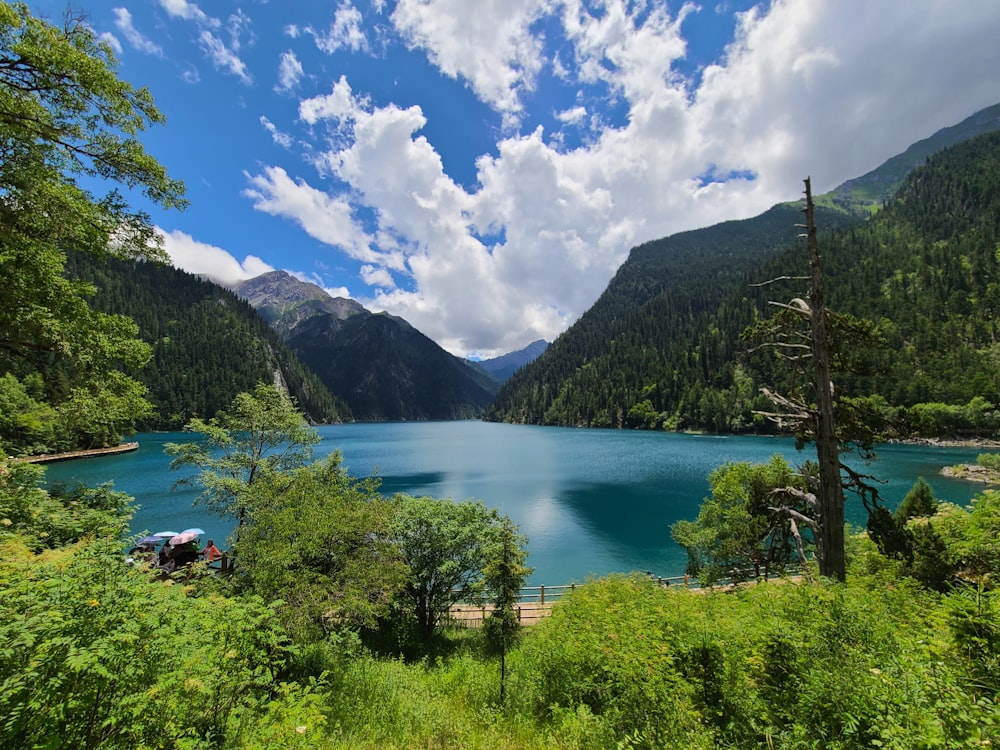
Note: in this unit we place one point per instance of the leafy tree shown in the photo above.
(67, 120)
(46, 519)
(919, 502)
(504, 575)
(261, 434)
(447, 546)
(739, 531)
(27, 423)
(319, 541)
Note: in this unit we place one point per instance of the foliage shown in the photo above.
(919, 502)
(45, 519)
(989, 461)
(739, 532)
(68, 119)
(447, 546)
(261, 434)
(771, 665)
(98, 655)
(504, 575)
(319, 541)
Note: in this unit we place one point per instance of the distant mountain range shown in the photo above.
(384, 368)
(503, 368)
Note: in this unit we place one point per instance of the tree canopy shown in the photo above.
(69, 147)
(261, 434)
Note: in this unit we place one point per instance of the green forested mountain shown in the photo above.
(662, 347)
(383, 368)
(208, 345)
(653, 335)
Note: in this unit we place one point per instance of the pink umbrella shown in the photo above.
(183, 538)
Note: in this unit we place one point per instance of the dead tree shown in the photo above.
(814, 418)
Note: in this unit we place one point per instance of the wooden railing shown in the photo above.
(535, 602)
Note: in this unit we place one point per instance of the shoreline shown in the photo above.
(49, 458)
(948, 442)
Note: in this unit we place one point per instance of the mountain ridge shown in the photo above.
(660, 348)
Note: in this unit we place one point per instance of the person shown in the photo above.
(210, 552)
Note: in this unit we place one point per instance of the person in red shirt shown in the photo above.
(210, 552)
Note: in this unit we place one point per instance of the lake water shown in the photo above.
(591, 502)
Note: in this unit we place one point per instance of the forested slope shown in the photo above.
(654, 334)
(662, 346)
(208, 345)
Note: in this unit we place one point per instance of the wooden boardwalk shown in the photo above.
(70, 455)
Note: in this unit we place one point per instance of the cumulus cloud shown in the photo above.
(828, 88)
(488, 43)
(123, 22)
(208, 260)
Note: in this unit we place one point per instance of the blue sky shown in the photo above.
(482, 167)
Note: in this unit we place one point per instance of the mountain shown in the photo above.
(661, 348)
(208, 344)
(284, 301)
(383, 367)
(504, 366)
(869, 191)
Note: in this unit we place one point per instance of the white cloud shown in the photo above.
(377, 277)
(189, 12)
(828, 88)
(123, 22)
(289, 72)
(282, 139)
(111, 39)
(338, 105)
(217, 264)
(325, 218)
(572, 116)
(345, 31)
(487, 43)
(222, 57)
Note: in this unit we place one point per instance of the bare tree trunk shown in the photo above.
(831, 492)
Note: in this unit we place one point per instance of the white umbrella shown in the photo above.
(198, 532)
(165, 534)
(183, 538)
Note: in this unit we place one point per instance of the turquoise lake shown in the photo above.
(591, 502)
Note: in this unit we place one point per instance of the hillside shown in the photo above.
(651, 335)
(208, 345)
(661, 348)
(383, 368)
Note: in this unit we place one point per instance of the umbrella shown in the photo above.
(165, 534)
(183, 538)
(198, 532)
(153, 539)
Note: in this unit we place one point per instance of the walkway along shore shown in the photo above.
(70, 455)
